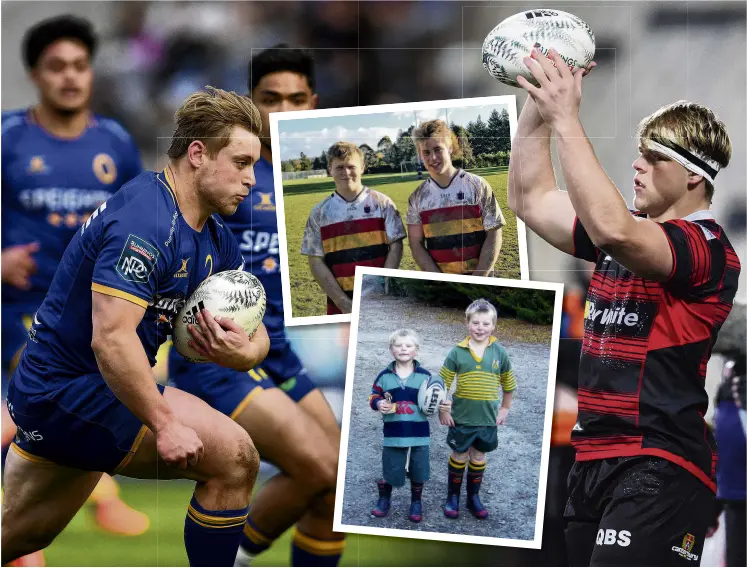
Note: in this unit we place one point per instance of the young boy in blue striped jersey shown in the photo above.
(406, 428)
(482, 368)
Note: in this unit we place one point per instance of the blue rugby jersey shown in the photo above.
(407, 426)
(255, 226)
(135, 246)
(50, 186)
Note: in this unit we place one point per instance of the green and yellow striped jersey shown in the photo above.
(479, 382)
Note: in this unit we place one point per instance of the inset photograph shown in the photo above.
(448, 407)
(415, 186)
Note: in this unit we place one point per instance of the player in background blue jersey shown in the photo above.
(84, 396)
(297, 432)
(59, 163)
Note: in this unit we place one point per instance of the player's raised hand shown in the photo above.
(18, 265)
(179, 446)
(558, 96)
(224, 342)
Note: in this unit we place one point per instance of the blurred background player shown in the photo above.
(60, 161)
(292, 426)
(730, 431)
(453, 218)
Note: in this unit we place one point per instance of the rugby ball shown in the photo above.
(505, 48)
(233, 294)
(431, 393)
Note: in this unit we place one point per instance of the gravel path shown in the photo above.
(511, 483)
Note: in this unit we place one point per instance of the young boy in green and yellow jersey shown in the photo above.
(482, 369)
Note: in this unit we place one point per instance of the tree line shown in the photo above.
(527, 304)
(481, 144)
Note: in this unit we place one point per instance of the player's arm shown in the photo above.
(394, 255)
(492, 222)
(313, 247)
(395, 234)
(328, 283)
(377, 401)
(416, 238)
(638, 244)
(489, 252)
(448, 374)
(508, 386)
(532, 189)
(125, 368)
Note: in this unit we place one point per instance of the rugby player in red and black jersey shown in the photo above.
(643, 486)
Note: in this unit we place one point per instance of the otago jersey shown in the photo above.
(480, 381)
(135, 246)
(352, 233)
(646, 347)
(255, 226)
(454, 219)
(50, 186)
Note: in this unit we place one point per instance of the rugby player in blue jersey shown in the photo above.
(83, 395)
(59, 163)
(288, 418)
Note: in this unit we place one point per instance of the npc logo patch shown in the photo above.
(138, 259)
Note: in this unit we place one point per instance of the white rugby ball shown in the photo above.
(430, 394)
(505, 48)
(233, 294)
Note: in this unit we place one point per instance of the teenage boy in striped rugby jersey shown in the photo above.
(453, 219)
(483, 369)
(354, 226)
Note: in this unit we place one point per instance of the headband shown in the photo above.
(692, 161)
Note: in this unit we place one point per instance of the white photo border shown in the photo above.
(276, 117)
(361, 271)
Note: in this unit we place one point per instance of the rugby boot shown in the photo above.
(416, 511)
(476, 507)
(385, 500)
(451, 509)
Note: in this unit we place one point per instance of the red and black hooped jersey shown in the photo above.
(641, 386)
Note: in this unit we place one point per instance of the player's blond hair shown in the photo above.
(404, 333)
(481, 306)
(209, 116)
(342, 151)
(692, 126)
(435, 129)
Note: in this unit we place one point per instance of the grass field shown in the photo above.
(300, 196)
(83, 544)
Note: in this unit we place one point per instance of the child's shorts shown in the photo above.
(395, 459)
(482, 438)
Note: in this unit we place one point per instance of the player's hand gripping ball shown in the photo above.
(505, 48)
(233, 294)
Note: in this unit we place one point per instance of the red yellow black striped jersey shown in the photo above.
(352, 233)
(641, 384)
(454, 219)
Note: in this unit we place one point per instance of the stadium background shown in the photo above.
(155, 53)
